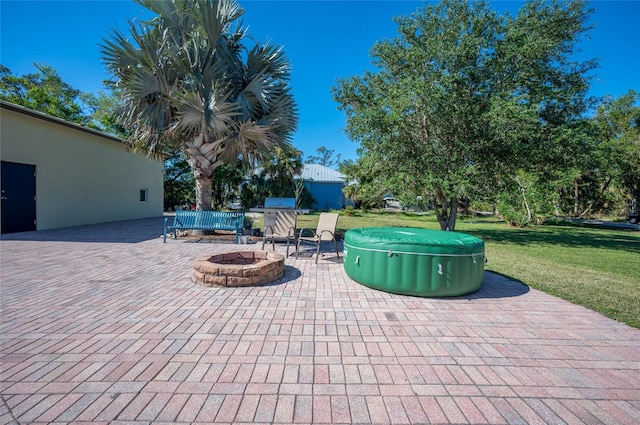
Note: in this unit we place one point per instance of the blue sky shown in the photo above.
(324, 40)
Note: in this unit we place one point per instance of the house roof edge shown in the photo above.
(50, 118)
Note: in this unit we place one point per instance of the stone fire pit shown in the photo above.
(238, 268)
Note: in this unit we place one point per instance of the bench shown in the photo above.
(205, 220)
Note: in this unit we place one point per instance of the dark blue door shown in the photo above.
(18, 197)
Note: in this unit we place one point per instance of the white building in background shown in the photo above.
(59, 174)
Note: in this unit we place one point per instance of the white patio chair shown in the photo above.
(326, 231)
(279, 226)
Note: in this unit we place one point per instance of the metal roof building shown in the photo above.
(325, 185)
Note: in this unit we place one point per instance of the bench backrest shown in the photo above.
(212, 220)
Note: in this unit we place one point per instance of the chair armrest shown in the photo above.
(268, 226)
(333, 236)
(301, 233)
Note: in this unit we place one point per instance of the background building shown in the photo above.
(59, 174)
(325, 185)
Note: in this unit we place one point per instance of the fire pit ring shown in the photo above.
(243, 268)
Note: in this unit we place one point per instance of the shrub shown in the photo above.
(349, 211)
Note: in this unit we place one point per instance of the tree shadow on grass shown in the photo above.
(563, 237)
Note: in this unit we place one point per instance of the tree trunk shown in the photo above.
(559, 203)
(203, 193)
(203, 157)
(451, 224)
(635, 199)
(576, 194)
(525, 203)
(447, 213)
(603, 189)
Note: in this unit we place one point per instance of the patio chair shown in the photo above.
(280, 226)
(326, 231)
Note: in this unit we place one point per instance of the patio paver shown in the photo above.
(102, 324)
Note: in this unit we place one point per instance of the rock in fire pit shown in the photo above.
(238, 268)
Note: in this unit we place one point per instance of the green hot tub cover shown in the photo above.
(413, 261)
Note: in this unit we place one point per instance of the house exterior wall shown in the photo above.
(82, 176)
(328, 195)
(325, 185)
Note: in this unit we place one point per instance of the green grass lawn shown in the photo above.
(596, 268)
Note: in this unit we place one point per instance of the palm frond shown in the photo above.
(214, 115)
(250, 142)
(216, 17)
(268, 59)
(186, 76)
(255, 96)
(282, 117)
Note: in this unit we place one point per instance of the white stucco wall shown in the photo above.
(82, 177)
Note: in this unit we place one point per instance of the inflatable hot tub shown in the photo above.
(412, 261)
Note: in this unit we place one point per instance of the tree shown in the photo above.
(367, 178)
(44, 91)
(275, 178)
(103, 107)
(227, 181)
(618, 121)
(187, 80)
(281, 167)
(179, 183)
(464, 98)
(324, 157)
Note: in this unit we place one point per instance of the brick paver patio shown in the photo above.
(102, 324)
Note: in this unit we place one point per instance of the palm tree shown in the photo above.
(281, 167)
(188, 81)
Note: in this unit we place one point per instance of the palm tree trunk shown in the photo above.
(203, 193)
